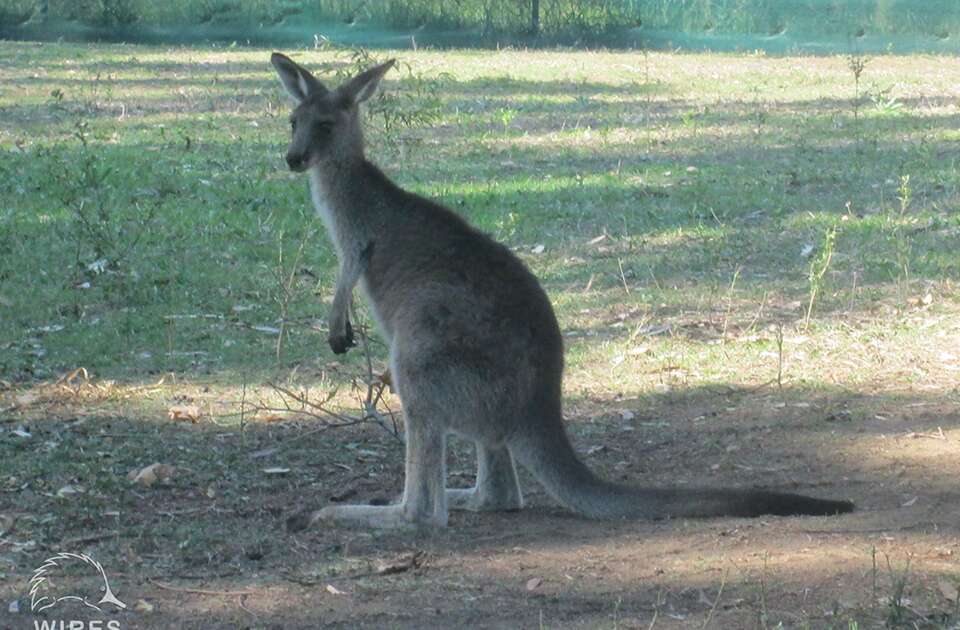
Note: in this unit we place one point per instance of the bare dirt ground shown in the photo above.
(202, 550)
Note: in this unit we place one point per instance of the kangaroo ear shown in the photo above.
(364, 85)
(296, 79)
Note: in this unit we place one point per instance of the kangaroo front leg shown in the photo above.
(497, 488)
(340, 337)
(351, 267)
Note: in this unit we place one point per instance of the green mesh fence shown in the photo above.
(771, 25)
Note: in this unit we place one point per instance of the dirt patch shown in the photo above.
(207, 548)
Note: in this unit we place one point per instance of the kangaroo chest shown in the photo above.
(324, 209)
(347, 244)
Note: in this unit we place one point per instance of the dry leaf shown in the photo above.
(539, 249)
(333, 590)
(949, 591)
(534, 583)
(265, 452)
(69, 490)
(69, 377)
(270, 330)
(277, 470)
(25, 400)
(185, 413)
(270, 417)
(143, 606)
(153, 473)
(398, 565)
(386, 379)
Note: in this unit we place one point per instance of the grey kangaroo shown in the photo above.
(475, 348)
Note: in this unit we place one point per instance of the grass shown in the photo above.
(670, 169)
(689, 208)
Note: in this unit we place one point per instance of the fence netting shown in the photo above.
(771, 25)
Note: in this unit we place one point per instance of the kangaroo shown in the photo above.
(475, 347)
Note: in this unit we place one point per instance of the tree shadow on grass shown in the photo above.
(692, 232)
(754, 204)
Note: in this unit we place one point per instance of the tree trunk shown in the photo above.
(535, 17)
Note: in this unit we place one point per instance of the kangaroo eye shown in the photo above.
(293, 125)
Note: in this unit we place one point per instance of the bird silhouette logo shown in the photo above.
(44, 592)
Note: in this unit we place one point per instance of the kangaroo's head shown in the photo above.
(324, 123)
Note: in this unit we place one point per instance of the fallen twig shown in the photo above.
(244, 607)
(198, 591)
(877, 530)
(188, 576)
(939, 435)
(407, 561)
(716, 602)
(81, 540)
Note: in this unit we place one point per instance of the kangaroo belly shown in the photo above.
(381, 322)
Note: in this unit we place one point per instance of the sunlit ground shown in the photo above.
(753, 260)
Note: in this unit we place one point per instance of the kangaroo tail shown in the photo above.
(549, 456)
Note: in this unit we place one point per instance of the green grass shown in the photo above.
(145, 205)
(149, 230)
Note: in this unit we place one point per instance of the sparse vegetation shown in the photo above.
(818, 268)
(665, 201)
(852, 20)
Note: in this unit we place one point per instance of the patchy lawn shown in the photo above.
(754, 261)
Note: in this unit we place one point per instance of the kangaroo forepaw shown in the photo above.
(341, 343)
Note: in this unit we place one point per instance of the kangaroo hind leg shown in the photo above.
(497, 488)
(424, 502)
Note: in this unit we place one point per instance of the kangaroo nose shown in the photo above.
(295, 162)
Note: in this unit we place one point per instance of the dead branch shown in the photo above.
(82, 540)
(198, 591)
(298, 404)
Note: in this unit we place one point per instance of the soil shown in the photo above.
(895, 561)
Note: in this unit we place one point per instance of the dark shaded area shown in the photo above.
(218, 524)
